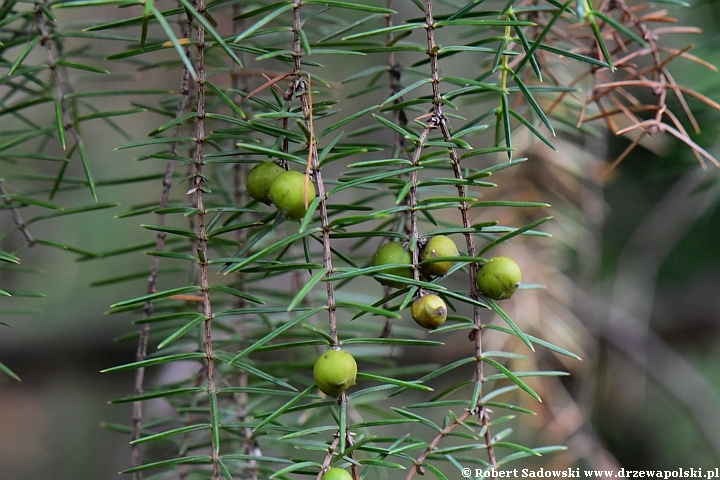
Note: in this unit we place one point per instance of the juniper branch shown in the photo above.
(17, 217)
(198, 188)
(59, 94)
(303, 89)
(434, 444)
(438, 120)
(148, 308)
(239, 82)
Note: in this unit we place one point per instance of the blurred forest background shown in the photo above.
(633, 287)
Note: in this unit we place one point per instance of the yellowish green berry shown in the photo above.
(499, 278)
(259, 180)
(429, 311)
(291, 195)
(336, 474)
(438, 246)
(334, 372)
(392, 254)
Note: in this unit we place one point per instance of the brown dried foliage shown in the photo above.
(634, 98)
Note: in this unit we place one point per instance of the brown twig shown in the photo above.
(328, 457)
(48, 42)
(438, 120)
(198, 189)
(434, 444)
(301, 88)
(399, 118)
(17, 218)
(239, 82)
(142, 345)
(655, 77)
(640, 67)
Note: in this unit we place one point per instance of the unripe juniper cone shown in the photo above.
(391, 254)
(334, 372)
(438, 246)
(429, 311)
(259, 180)
(337, 474)
(499, 278)
(290, 194)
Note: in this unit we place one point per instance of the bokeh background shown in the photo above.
(632, 277)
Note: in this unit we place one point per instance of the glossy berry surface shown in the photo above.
(334, 372)
(438, 246)
(391, 254)
(429, 311)
(259, 180)
(290, 195)
(499, 278)
(337, 474)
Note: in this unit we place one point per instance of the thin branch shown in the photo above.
(239, 82)
(302, 88)
(148, 308)
(68, 124)
(655, 77)
(328, 457)
(398, 117)
(438, 120)
(413, 203)
(434, 444)
(198, 189)
(17, 218)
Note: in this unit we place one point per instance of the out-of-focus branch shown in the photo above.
(665, 365)
(148, 308)
(17, 218)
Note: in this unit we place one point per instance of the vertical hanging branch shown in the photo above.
(503, 111)
(399, 118)
(239, 82)
(395, 75)
(148, 308)
(439, 121)
(17, 218)
(198, 189)
(413, 232)
(302, 88)
(63, 114)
